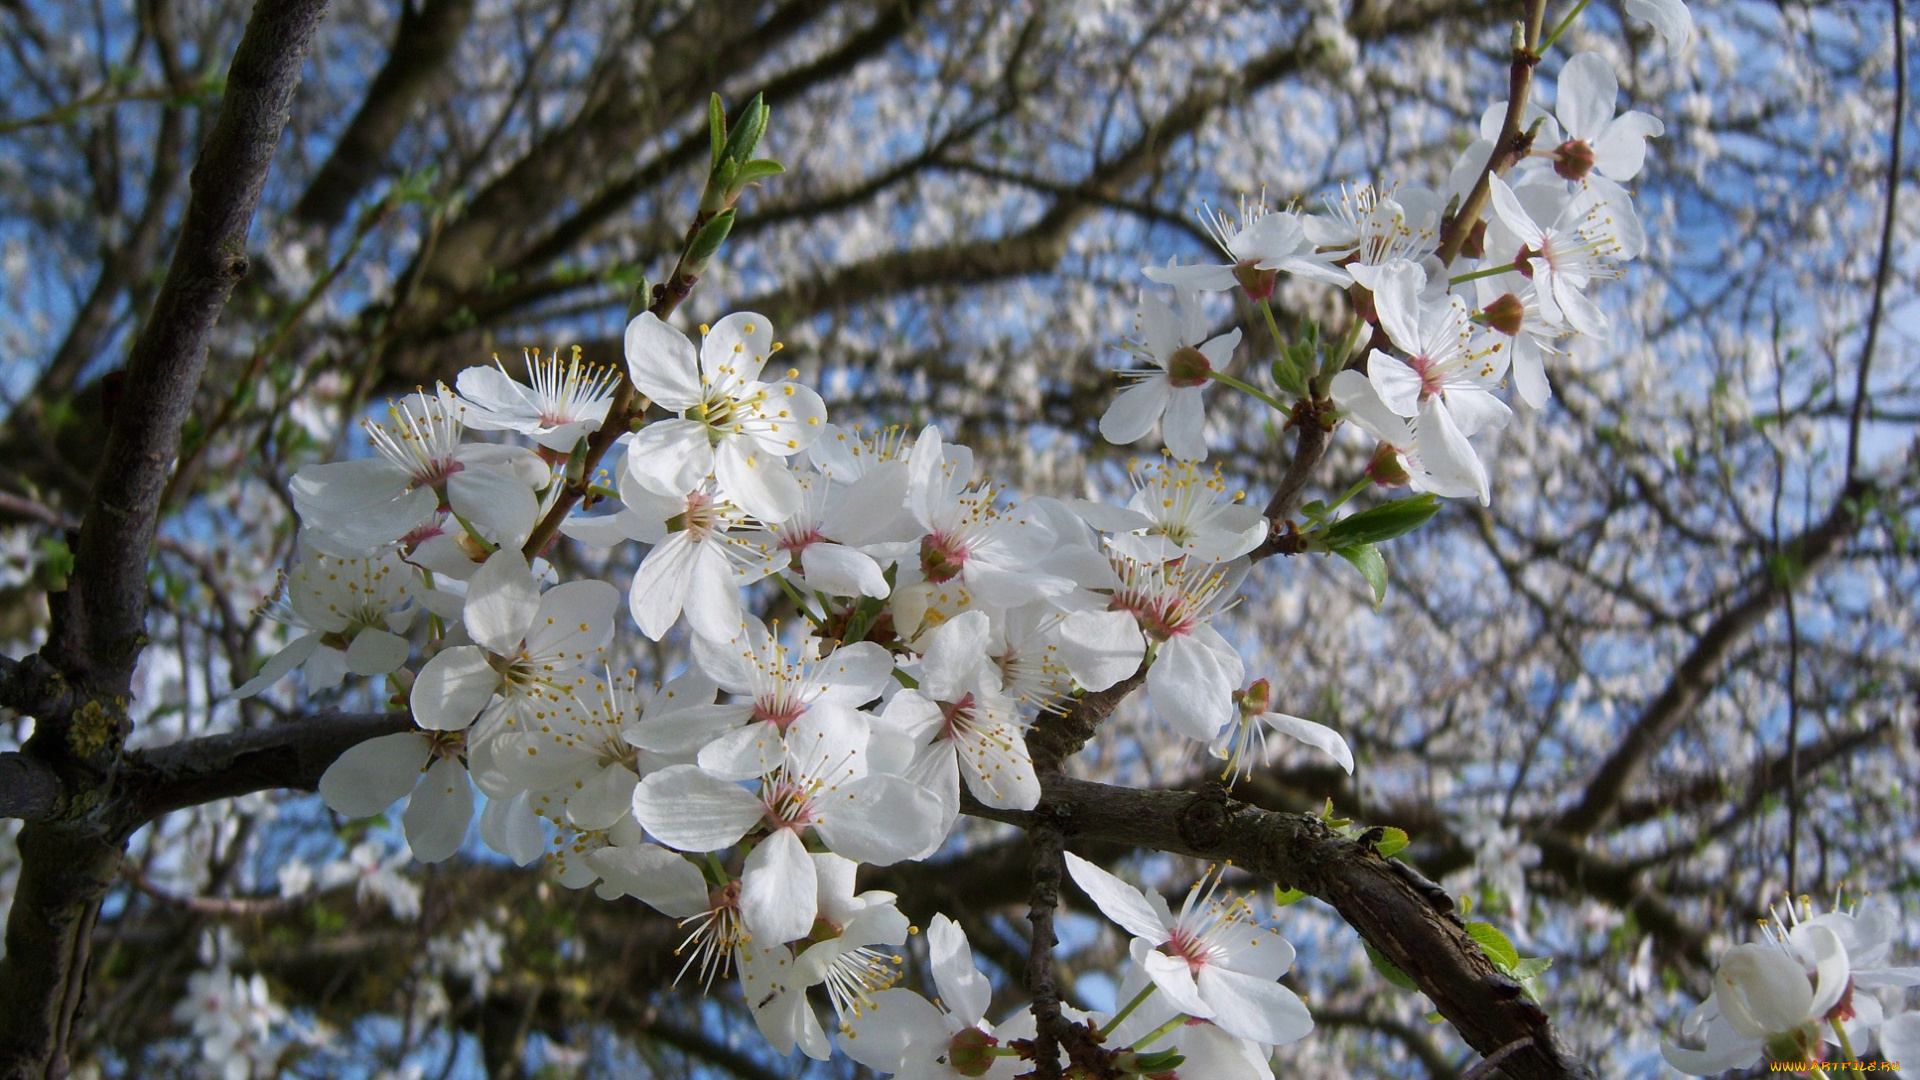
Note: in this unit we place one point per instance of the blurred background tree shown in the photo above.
(1667, 677)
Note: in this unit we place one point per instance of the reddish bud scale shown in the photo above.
(1362, 298)
(1475, 246)
(1523, 261)
(1254, 699)
(1387, 469)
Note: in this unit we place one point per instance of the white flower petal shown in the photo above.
(655, 876)
(1587, 89)
(376, 652)
(1319, 736)
(1101, 647)
(452, 688)
(280, 664)
(1135, 409)
(669, 457)
(373, 775)
(501, 601)
(689, 809)
(1184, 428)
(777, 889)
(510, 827)
(1254, 1008)
(1118, 900)
(962, 988)
(441, 809)
(660, 585)
(662, 362)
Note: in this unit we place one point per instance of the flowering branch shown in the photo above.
(1511, 145)
(1406, 918)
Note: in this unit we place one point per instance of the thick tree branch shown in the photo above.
(1409, 920)
(99, 623)
(110, 561)
(423, 42)
(285, 756)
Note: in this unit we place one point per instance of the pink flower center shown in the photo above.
(942, 557)
(779, 713)
(1162, 617)
(1190, 947)
(955, 716)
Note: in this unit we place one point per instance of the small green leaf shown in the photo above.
(1286, 374)
(1384, 522)
(756, 170)
(1392, 843)
(1434, 1017)
(1531, 967)
(55, 565)
(747, 131)
(1287, 897)
(1366, 559)
(1495, 945)
(717, 128)
(1388, 972)
(706, 243)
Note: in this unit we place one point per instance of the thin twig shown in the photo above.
(1883, 271)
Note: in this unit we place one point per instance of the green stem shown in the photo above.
(1159, 1031)
(1561, 28)
(1486, 272)
(1365, 483)
(1846, 1044)
(1221, 376)
(799, 602)
(1138, 998)
(1273, 327)
(1336, 360)
(475, 534)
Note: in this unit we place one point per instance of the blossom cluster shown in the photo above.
(1451, 334)
(1805, 990)
(934, 620)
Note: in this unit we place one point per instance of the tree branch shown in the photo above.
(423, 42)
(110, 562)
(1409, 921)
(1698, 672)
(99, 623)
